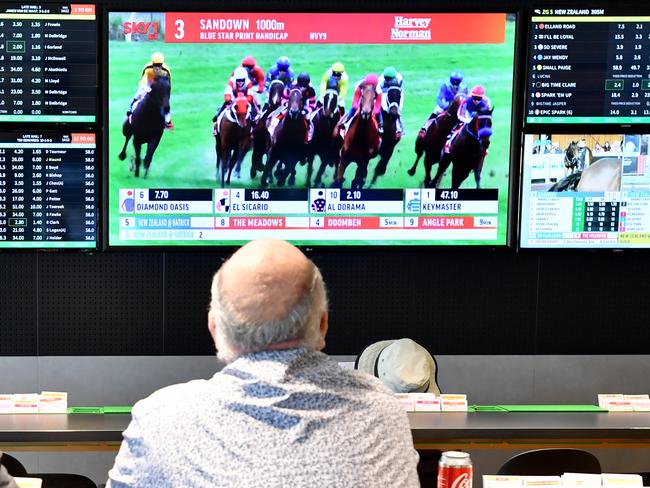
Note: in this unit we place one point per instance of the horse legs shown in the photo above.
(126, 130)
(444, 163)
(382, 165)
(321, 170)
(419, 150)
(148, 157)
(428, 164)
(232, 163)
(340, 171)
(138, 148)
(477, 172)
(310, 169)
(271, 159)
(458, 174)
(360, 175)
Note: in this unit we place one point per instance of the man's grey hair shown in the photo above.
(243, 335)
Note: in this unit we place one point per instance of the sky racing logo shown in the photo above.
(148, 29)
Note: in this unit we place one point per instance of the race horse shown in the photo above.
(287, 143)
(261, 136)
(323, 143)
(232, 138)
(433, 142)
(467, 151)
(361, 141)
(601, 176)
(146, 124)
(392, 133)
(576, 158)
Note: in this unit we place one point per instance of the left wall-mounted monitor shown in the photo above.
(48, 63)
(48, 190)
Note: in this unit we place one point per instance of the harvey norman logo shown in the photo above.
(410, 28)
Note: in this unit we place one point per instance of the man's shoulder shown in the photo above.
(172, 397)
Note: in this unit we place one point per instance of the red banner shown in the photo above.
(312, 28)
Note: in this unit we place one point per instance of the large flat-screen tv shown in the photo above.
(588, 66)
(293, 172)
(585, 191)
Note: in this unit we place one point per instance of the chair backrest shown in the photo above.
(551, 462)
(64, 480)
(12, 465)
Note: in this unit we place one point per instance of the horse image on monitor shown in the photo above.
(433, 142)
(261, 136)
(146, 124)
(323, 143)
(468, 150)
(232, 132)
(361, 141)
(287, 143)
(392, 135)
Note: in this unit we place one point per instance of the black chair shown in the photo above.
(551, 462)
(12, 465)
(63, 480)
(428, 467)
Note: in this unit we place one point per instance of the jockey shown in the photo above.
(256, 76)
(335, 72)
(303, 83)
(391, 78)
(281, 70)
(155, 67)
(477, 101)
(372, 80)
(448, 91)
(237, 85)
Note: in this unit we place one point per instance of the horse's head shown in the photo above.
(367, 104)
(330, 103)
(482, 126)
(295, 103)
(393, 96)
(275, 92)
(452, 109)
(240, 110)
(160, 90)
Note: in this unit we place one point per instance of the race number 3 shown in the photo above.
(180, 29)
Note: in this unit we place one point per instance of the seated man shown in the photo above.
(280, 413)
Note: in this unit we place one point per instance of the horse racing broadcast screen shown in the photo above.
(321, 129)
(586, 191)
(588, 65)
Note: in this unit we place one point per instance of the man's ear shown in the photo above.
(324, 325)
(212, 326)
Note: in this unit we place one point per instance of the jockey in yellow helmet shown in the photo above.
(335, 76)
(153, 68)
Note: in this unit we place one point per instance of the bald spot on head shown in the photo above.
(265, 279)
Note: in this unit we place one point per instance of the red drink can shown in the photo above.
(455, 470)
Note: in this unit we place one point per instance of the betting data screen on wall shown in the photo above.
(298, 175)
(48, 190)
(588, 66)
(48, 63)
(586, 191)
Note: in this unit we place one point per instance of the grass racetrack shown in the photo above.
(186, 156)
